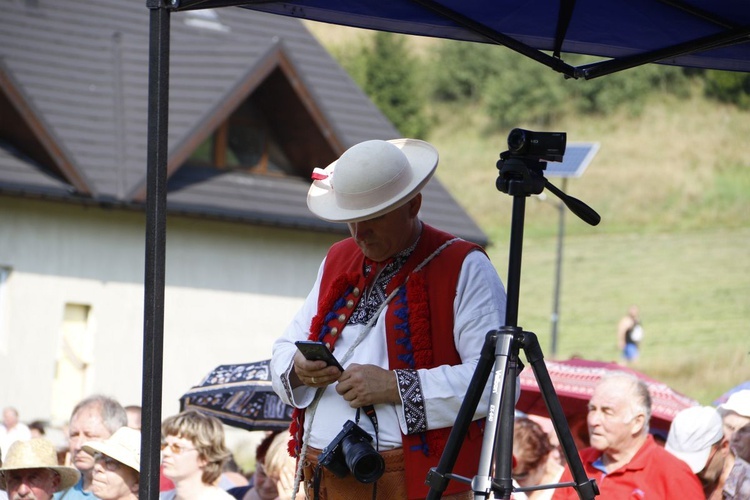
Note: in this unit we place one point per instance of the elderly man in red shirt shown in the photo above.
(623, 458)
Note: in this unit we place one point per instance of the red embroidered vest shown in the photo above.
(419, 331)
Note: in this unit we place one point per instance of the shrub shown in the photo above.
(459, 71)
(729, 87)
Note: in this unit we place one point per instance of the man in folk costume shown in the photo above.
(406, 308)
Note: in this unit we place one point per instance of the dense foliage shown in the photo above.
(389, 75)
(729, 87)
(509, 87)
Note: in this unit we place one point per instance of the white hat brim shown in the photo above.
(422, 157)
(119, 453)
(696, 460)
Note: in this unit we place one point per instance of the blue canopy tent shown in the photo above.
(624, 33)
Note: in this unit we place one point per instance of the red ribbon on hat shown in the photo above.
(319, 174)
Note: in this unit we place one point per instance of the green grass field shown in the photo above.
(692, 289)
(672, 185)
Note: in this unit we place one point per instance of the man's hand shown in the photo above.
(312, 373)
(363, 385)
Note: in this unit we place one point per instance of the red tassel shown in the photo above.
(335, 292)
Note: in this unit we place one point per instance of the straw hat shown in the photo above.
(37, 453)
(124, 446)
(371, 178)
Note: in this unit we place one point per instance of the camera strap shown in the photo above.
(370, 412)
(317, 474)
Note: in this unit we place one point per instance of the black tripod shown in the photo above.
(520, 176)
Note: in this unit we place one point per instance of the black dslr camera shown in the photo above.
(351, 451)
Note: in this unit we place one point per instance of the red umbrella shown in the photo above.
(574, 381)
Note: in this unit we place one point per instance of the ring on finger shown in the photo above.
(312, 379)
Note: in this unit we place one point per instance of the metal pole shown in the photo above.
(558, 272)
(156, 224)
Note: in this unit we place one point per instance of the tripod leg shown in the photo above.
(438, 477)
(502, 483)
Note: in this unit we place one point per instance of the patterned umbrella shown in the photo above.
(574, 381)
(240, 396)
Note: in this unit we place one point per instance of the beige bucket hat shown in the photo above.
(37, 453)
(371, 178)
(124, 446)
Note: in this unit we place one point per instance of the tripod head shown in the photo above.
(522, 169)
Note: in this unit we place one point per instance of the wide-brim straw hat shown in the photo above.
(371, 178)
(124, 446)
(37, 453)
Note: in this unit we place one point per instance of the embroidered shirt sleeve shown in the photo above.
(287, 383)
(412, 397)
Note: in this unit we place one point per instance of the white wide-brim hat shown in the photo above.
(371, 178)
(37, 453)
(124, 446)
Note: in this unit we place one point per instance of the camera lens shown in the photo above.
(363, 460)
(517, 140)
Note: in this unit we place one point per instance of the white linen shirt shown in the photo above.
(478, 308)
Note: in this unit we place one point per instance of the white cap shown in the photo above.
(692, 434)
(738, 402)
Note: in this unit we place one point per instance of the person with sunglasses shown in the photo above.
(117, 465)
(193, 454)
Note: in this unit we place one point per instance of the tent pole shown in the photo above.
(156, 224)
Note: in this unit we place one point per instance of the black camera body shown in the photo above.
(352, 451)
(545, 146)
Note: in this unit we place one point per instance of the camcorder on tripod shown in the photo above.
(520, 175)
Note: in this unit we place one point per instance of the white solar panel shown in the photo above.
(577, 157)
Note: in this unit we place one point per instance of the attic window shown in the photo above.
(243, 142)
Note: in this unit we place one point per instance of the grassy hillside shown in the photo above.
(673, 188)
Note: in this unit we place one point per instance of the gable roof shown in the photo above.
(74, 84)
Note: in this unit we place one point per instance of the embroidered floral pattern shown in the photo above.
(375, 295)
(413, 400)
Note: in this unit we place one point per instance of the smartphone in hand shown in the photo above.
(315, 351)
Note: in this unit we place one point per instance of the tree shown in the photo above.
(392, 82)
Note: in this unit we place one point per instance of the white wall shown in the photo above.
(230, 291)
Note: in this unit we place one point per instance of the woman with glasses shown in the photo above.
(193, 454)
(117, 464)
